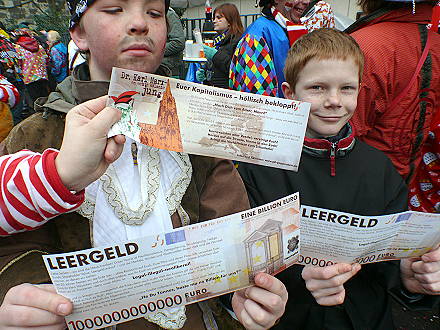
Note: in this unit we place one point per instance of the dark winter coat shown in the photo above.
(365, 183)
(218, 67)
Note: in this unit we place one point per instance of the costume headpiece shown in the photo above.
(77, 8)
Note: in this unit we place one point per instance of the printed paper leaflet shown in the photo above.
(114, 284)
(329, 236)
(183, 116)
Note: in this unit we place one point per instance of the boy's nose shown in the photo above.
(333, 99)
(138, 24)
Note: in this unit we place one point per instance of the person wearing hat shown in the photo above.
(154, 190)
(399, 95)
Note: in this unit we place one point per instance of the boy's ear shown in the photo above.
(287, 91)
(78, 36)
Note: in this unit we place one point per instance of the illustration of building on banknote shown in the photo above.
(165, 134)
(264, 248)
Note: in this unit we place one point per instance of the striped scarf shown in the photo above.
(219, 38)
(294, 31)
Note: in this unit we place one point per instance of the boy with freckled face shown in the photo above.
(145, 190)
(337, 172)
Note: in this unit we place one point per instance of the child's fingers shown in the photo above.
(421, 267)
(430, 282)
(119, 139)
(270, 301)
(323, 280)
(24, 316)
(113, 150)
(104, 120)
(333, 300)
(271, 284)
(40, 297)
(327, 292)
(325, 273)
(432, 256)
(255, 317)
(328, 272)
(90, 108)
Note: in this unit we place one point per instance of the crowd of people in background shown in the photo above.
(33, 62)
(371, 146)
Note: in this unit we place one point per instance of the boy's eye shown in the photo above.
(348, 88)
(316, 87)
(113, 10)
(154, 13)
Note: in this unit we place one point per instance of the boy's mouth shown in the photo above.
(329, 118)
(137, 50)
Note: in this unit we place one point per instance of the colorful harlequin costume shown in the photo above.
(255, 68)
(258, 62)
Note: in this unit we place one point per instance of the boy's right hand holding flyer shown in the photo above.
(326, 284)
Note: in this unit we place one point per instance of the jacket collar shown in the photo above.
(333, 147)
(343, 143)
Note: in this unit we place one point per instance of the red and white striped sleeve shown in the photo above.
(32, 191)
(8, 92)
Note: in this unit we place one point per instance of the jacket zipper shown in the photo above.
(333, 159)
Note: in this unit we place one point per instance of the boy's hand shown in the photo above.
(422, 275)
(86, 151)
(260, 306)
(326, 284)
(31, 306)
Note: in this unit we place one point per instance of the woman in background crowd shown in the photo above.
(33, 60)
(227, 24)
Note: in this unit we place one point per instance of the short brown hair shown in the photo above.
(230, 12)
(369, 6)
(321, 44)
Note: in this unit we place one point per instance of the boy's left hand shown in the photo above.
(422, 275)
(260, 306)
(326, 284)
